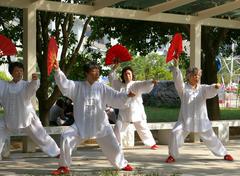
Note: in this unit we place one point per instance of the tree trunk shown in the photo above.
(209, 75)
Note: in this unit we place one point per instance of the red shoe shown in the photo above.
(154, 147)
(128, 168)
(228, 158)
(170, 159)
(61, 170)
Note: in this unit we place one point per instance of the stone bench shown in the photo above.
(28, 144)
(163, 129)
(221, 128)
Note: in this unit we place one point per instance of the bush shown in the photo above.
(4, 77)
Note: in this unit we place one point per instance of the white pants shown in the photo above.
(142, 130)
(37, 133)
(109, 145)
(209, 138)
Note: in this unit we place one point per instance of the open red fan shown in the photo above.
(175, 48)
(7, 48)
(117, 54)
(52, 54)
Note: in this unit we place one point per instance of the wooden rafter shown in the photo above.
(168, 5)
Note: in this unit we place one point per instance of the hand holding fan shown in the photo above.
(7, 48)
(52, 54)
(117, 54)
(175, 48)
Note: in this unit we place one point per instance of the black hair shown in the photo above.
(89, 66)
(124, 70)
(12, 65)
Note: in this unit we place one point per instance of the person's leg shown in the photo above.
(176, 140)
(119, 130)
(39, 135)
(144, 133)
(213, 143)
(3, 135)
(69, 140)
(112, 150)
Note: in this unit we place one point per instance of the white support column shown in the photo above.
(29, 41)
(195, 45)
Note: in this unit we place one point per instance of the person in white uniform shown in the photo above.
(193, 116)
(90, 98)
(135, 113)
(19, 113)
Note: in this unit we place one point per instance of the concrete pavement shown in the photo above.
(195, 159)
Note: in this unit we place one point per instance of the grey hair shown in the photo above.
(193, 71)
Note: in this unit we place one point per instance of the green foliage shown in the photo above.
(4, 77)
(152, 66)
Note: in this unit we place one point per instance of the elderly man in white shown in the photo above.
(19, 114)
(135, 113)
(90, 98)
(193, 115)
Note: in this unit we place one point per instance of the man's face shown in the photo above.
(17, 74)
(93, 74)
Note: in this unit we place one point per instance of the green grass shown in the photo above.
(163, 114)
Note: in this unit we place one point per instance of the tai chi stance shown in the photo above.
(135, 113)
(90, 98)
(19, 114)
(193, 115)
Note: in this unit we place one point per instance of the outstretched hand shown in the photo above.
(56, 65)
(175, 62)
(154, 82)
(34, 76)
(116, 65)
(217, 85)
(131, 94)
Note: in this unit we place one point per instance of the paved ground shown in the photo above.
(195, 160)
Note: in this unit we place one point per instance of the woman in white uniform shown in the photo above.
(193, 115)
(135, 113)
(90, 98)
(19, 114)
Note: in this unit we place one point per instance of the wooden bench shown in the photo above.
(163, 129)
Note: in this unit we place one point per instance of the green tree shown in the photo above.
(144, 37)
(151, 66)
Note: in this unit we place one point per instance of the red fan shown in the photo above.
(52, 54)
(7, 48)
(175, 48)
(116, 54)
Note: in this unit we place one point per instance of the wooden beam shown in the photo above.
(79, 9)
(168, 5)
(99, 4)
(230, 6)
(16, 3)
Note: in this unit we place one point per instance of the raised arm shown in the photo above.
(32, 86)
(178, 78)
(112, 77)
(67, 87)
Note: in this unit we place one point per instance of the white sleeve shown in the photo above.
(67, 87)
(31, 88)
(209, 91)
(140, 87)
(116, 99)
(178, 80)
(114, 81)
(2, 83)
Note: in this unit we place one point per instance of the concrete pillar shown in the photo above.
(195, 45)
(29, 41)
